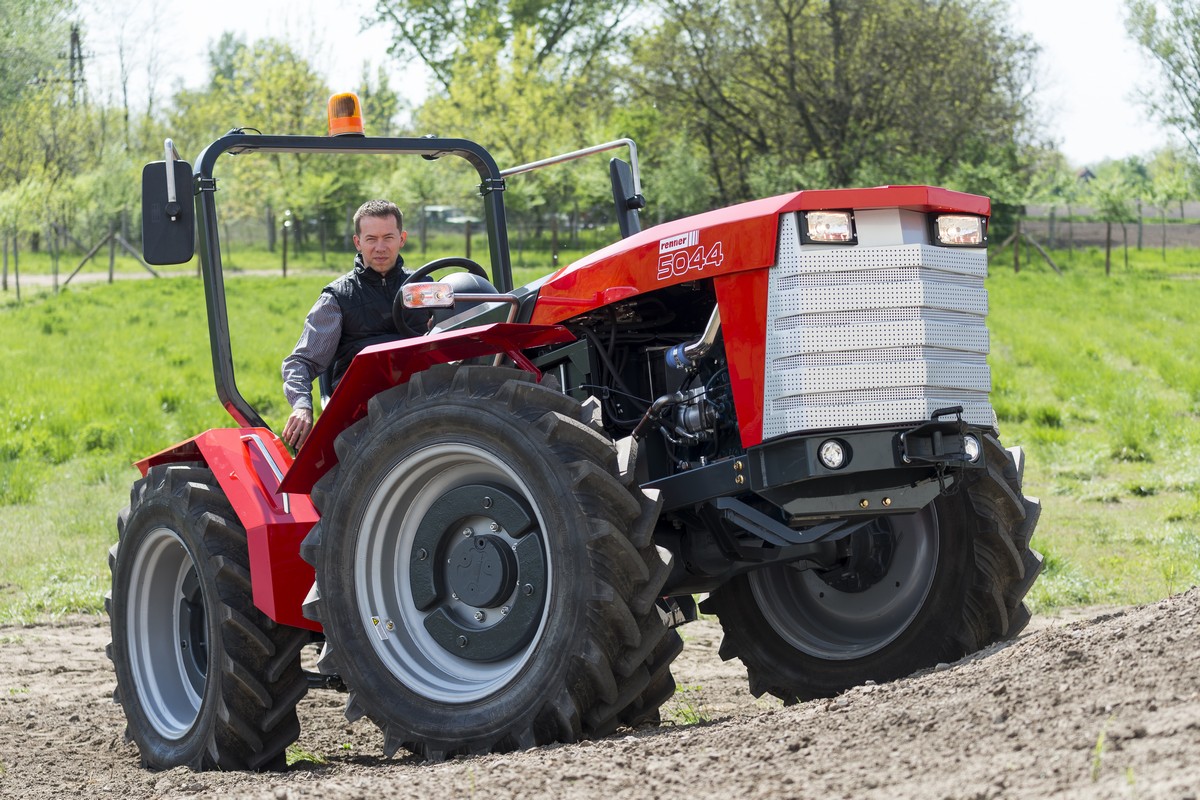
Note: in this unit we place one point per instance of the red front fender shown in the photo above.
(247, 463)
(383, 366)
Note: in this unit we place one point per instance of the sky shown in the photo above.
(1086, 85)
(171, 41)
(1090, 71)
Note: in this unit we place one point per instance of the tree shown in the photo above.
(1137, 181)
(439, 33)
(1170, 178)
(839, 92)
(32, 35)
(1055, 185)
(381, 105)
(1110, 194)
(524, 106)
(680, 183)
(269, 87)
(1166, 30)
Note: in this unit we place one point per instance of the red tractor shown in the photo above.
(494, 528)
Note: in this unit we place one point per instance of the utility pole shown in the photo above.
(75, 65)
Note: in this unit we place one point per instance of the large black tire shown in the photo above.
(484, 570)
(206, 680)
(957, 575)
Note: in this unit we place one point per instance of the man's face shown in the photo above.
(379, 240)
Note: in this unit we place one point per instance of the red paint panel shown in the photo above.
(746, 233)
(383, 366)
(744, 236)
(913, 198)
(742, 299)
(275, 525)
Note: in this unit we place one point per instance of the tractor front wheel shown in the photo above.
(206, 680)
(484, 573)
(920, 589)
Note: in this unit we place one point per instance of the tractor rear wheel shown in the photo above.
(206, 680)
(926, 588)
(484, 577)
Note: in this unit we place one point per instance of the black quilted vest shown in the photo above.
(365, 297)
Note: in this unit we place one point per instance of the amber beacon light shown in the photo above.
(345, 115)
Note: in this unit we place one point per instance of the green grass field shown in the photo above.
(1097, 378)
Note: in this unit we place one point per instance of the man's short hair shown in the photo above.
(378, 208)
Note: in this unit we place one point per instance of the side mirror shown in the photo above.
(625, 197)
(168, 213)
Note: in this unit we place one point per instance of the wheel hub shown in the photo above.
(192, 631)
(868, 557)
(811, 611)
(481, 594)
(482, 570)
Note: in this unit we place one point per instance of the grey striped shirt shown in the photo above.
(314, 352)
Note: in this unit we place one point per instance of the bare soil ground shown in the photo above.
(1106, 705)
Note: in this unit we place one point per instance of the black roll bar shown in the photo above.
(491, 187)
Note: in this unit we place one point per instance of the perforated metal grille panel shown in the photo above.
(860, 336)
(870, 356)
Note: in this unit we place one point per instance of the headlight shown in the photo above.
(972, 448)
(827, 227)
(833, 454)
(959, 230)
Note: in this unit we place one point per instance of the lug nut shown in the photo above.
(487, 502)
(422, 554)
(468, 532)
(479, 616)
(504, 611)
(495, 526)
(528, 589)
(864, 503)
(462, 641)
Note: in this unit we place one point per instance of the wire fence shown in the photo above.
(57, 256)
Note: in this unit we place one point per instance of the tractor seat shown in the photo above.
(325, 385)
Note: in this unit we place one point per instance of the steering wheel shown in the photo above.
(422, 275)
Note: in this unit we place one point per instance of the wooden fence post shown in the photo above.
(1017, 246)
(16, 268)
(52, 242)
(112, 250)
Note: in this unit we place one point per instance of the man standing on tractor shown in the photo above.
(351, 313)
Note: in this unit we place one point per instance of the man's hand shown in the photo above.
(298, 426)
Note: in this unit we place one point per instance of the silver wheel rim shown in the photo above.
(394, 625)
(827, 623)
(166, 633)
